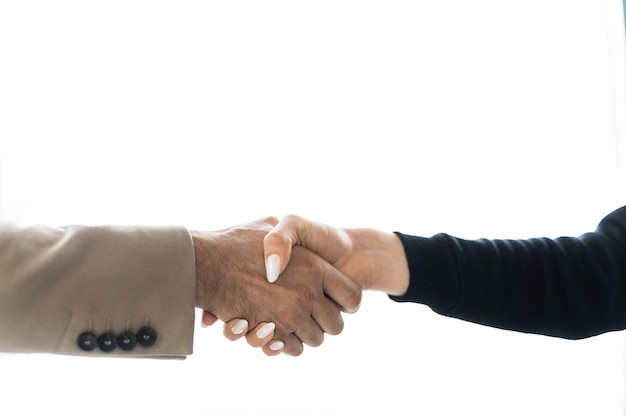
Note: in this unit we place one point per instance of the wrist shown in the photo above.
(398, 267)
(380, 261)
(203, 244)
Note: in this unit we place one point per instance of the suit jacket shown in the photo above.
(72, 290)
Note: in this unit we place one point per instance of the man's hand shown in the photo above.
(231, 284)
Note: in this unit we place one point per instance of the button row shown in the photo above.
(108, 342)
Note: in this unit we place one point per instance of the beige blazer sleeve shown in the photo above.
(72, 290)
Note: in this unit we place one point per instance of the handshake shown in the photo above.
(283, 284)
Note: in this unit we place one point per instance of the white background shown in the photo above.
(497, 119)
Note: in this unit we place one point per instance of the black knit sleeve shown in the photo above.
(567, 287)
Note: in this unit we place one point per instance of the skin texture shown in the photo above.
(231, 283)
(373, 259)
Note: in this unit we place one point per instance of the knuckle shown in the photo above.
(271, 220)
(291, 218)
(306, 296)
(287, 324)
(276, 238)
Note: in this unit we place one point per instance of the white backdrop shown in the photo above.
(481, 118)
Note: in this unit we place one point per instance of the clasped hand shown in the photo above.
(304, 305)
(323, 271)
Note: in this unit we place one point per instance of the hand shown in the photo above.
(231, 284)
(261, 336)
(375, 260)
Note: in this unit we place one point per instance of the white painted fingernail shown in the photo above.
(272, 267)
(239, 327)
(277, 346)
(265, 330)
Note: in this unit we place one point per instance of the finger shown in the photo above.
(295, 230)
(235, 329)
(274, 347)
(342, 290)
(277, 246)
(208, 319)
(261, 334)
(293, 346)
(328, 317)
(310, 332)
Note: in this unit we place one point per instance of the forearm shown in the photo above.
(56, 283)
(567, 287)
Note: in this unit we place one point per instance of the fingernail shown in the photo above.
(265, 330)
(203, 324)
(277, 346)
(239, 327)
(272, 267)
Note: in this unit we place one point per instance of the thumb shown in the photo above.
(291, 230)
(277, 246)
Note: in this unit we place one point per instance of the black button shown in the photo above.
(107, 342)
(146, 336)
(87, 341)
(127, 340)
